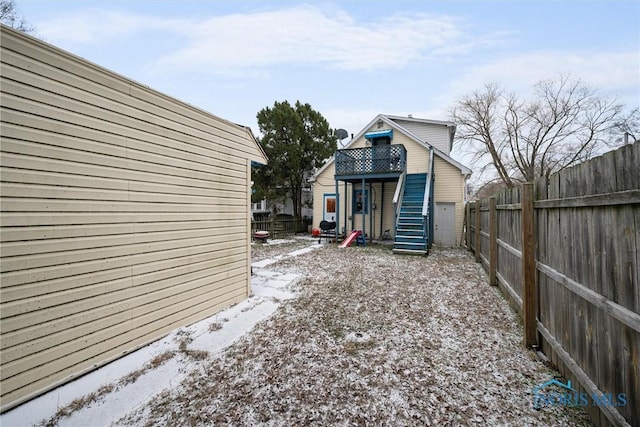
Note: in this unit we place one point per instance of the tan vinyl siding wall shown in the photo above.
(323, 184)
(449, 184)
(449, 187)
(384, 211)
(389, 218)
(124, 215)
(417, 155)
(435, 135)
(382, 207)
(417, 162)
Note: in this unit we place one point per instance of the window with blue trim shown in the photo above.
(360, 202)
(380, 141)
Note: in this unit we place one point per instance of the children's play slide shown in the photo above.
(350, 239)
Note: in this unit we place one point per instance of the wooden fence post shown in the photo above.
(529, 294)
(477, 242)
(493, 242)
(467, 219)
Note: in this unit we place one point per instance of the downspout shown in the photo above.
(364, 208)
(433, 209)
(381, 208)
(346, 197)
(371, 212)
(249, 229)
(337, 218)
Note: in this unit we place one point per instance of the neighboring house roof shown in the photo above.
(392, 122)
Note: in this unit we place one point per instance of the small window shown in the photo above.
(381, 141)
(331, 205)
(360, 202)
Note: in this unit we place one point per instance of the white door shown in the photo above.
(445, 224)
(329, 208)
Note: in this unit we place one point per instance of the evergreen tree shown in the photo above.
(297, 140)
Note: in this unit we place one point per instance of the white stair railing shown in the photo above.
(397, 198)
(426, 205)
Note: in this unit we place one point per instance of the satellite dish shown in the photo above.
(342, 134)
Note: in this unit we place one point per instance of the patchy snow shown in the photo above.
(271, 284)
(338, 337)
(286, 245)
(358, 337)
(210, 335)
(296, 239)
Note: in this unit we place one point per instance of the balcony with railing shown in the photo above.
(378, 162)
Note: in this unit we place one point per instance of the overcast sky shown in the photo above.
(349, 59)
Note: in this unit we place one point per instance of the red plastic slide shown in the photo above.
(350, 239)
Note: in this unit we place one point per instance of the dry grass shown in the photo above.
(88, 399)
(184, 338)
(216, 326)
(442, 348)
(273, 249)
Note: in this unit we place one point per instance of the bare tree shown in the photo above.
(10, 16)
(627, 129)
(564, 123)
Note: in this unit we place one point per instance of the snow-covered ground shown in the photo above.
(111, 392)
(333, 337)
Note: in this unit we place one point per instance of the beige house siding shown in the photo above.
(417, 155)
(124, 214)
(384, 212)
(323, 184)
(437, 136)
(449, 187)
(449, 183)
(417, 162)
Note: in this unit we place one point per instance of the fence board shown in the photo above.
(587, 220)
(615, 198)
(471, 226)
(484, 235)
(493, 241)
(627, 240)
(477, 242)
(529, 292)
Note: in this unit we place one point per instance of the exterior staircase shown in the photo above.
(411, 230)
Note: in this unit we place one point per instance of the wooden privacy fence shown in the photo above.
(565, 252)
(279, 227)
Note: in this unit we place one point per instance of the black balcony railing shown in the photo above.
(381, 159)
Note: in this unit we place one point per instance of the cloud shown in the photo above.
(297, 35)
(305, 35)
(350, 119)
(98, 26)
(614, 73)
